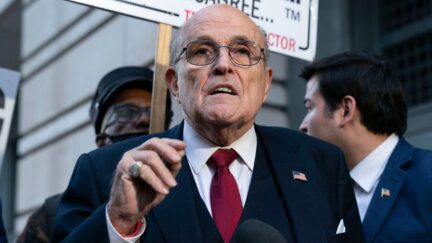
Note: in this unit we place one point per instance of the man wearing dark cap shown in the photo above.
(121, 100)
(120, 109)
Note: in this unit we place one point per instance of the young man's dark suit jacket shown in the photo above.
(405, 215)
(303, 211)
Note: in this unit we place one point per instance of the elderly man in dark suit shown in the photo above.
(355, 101)
(198, 181)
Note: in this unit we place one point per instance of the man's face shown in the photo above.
(319, 121)
(127, 113)
(221, 93)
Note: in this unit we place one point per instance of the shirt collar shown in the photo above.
(367, 173)
(199, 149)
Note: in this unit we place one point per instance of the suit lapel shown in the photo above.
(177, 215)
(298, 196)
(263, 201)
(391, 179)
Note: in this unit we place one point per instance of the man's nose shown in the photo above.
(143, 122)
(223, 63)
(303, 126)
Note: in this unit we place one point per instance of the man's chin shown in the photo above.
(222, 116)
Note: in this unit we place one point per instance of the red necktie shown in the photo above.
(224, 194)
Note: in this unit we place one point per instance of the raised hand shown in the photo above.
(157, 163)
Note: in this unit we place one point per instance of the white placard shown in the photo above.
(291, 25)
(9, 82)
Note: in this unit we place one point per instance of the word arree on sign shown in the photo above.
(249, 7)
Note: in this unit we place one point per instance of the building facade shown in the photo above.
(62, 49)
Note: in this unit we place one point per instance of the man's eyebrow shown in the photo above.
(240, 38)
(203, 37)
(128, 102)
(233, 39)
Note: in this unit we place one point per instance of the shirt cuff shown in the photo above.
(116, 237)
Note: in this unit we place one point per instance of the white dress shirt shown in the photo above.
(367, 173)
(198, 151)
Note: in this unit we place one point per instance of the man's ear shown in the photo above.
(347, 110)
(268, 82)
(172, 82)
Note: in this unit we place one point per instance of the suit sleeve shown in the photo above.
(81, 213)
(347, 204)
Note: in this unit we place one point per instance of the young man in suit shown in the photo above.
(355, 101)
(201, 179)
(120, 109)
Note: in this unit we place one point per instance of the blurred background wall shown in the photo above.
(62, 50)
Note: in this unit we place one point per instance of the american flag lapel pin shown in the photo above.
(385, 192)
(299, 176)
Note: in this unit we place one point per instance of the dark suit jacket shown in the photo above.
(315, 207)
(405, 215)
(40, 225)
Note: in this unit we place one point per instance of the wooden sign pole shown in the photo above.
(158, 104)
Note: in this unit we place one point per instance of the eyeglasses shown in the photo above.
(126, 118)
(205, 52)
(127, 113)
(122, 115)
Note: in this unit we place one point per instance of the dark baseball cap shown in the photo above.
(112, 83)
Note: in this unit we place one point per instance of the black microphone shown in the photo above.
(255, 231)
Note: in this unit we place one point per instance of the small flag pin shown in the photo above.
(385, 192)
(299, 176)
